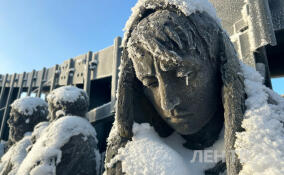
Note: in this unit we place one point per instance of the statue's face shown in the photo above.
(185, 96)
(18, 126)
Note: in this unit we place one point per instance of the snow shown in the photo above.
(65, 94)
(28, 105)
(38, 129)
(59, 113)
(27, 121)
(148, 154)
(113, 132)
(49, 141)
(185, 6)
(260, 146)
(15, 155)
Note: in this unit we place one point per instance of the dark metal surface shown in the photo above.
(277, 13)
(252, 26)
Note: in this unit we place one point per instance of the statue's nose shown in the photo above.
(169, 97)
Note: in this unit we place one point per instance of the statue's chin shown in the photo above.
(15, 135)
(187, 125)
(186, 129)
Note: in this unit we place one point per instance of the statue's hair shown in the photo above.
(169, 36)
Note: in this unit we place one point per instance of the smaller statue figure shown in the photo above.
(68, 145)
(25, 114)
(66, 101)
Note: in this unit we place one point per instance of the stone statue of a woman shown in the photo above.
(179, 73)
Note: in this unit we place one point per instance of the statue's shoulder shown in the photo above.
(79, 156)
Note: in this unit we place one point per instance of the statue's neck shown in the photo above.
(208, 135)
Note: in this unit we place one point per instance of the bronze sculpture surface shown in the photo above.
(184, 90)
(179, 73)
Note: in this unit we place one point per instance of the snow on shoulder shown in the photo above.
(260, 147)
(28, 105)
(149, 154)
(15, 155)
(185, 6)
(66, 94)
(47, 151)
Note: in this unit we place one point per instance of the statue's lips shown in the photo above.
(182, 115)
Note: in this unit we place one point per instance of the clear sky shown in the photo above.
(38, 33)
(41, 33)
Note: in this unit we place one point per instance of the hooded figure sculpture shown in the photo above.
(181, 74)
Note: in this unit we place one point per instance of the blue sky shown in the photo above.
(41, 33)
(38, 33)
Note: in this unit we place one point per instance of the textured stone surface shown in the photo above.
(233, 102)
(78, 157)
(114, 144)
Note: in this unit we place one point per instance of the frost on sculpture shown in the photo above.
(67, 100)
(25, 114)
(68, 145)
(180, 74)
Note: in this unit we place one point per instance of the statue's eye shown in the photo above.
(150, 81)
(184, 73)
(187, 74)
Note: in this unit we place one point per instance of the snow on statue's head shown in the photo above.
(180, 72)
(25, 114)
(67, 100)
